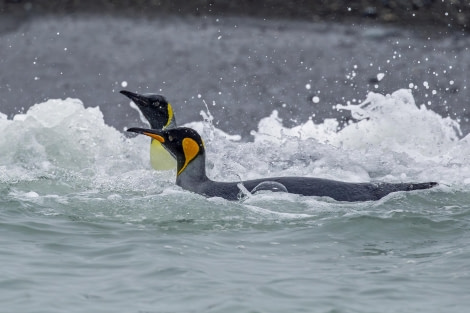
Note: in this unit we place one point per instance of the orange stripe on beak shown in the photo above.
(156, 137)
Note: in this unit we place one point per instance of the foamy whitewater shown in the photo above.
(86, 225)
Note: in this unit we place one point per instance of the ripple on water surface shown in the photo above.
(85, 223)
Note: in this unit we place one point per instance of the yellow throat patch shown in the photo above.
(160, 158)
(190, 149)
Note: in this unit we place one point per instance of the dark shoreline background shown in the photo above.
(248, 57)
(446, 14)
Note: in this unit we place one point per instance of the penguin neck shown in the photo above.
(171, 124)
(193, 174)
(157, 123)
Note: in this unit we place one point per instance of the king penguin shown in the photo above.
(187, 146)
(159, 114)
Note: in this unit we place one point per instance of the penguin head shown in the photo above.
(155, 108)
(185, 144)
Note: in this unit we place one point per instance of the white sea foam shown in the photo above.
(391, 140)
(63, 138)
(391, 123)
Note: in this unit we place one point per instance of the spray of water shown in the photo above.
(59, 146)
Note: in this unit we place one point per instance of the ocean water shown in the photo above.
(87, 226)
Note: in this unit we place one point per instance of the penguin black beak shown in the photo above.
(153, 133)
(140, 100)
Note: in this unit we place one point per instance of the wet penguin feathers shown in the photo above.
(159, 113)
(156, 109)
(183, 143)
(187, 146)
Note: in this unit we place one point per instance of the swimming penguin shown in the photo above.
(159, 113)
(188, 148)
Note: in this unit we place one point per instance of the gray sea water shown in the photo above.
(87, 226)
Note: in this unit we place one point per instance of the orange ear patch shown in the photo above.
(190, 149)
(155, 136)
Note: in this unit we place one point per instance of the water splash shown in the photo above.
(70, 147)
(390, 123)
(63, 140)
(395, 123)
(392, 139)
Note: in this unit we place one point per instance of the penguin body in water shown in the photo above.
(187, 146)
(159, 113)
